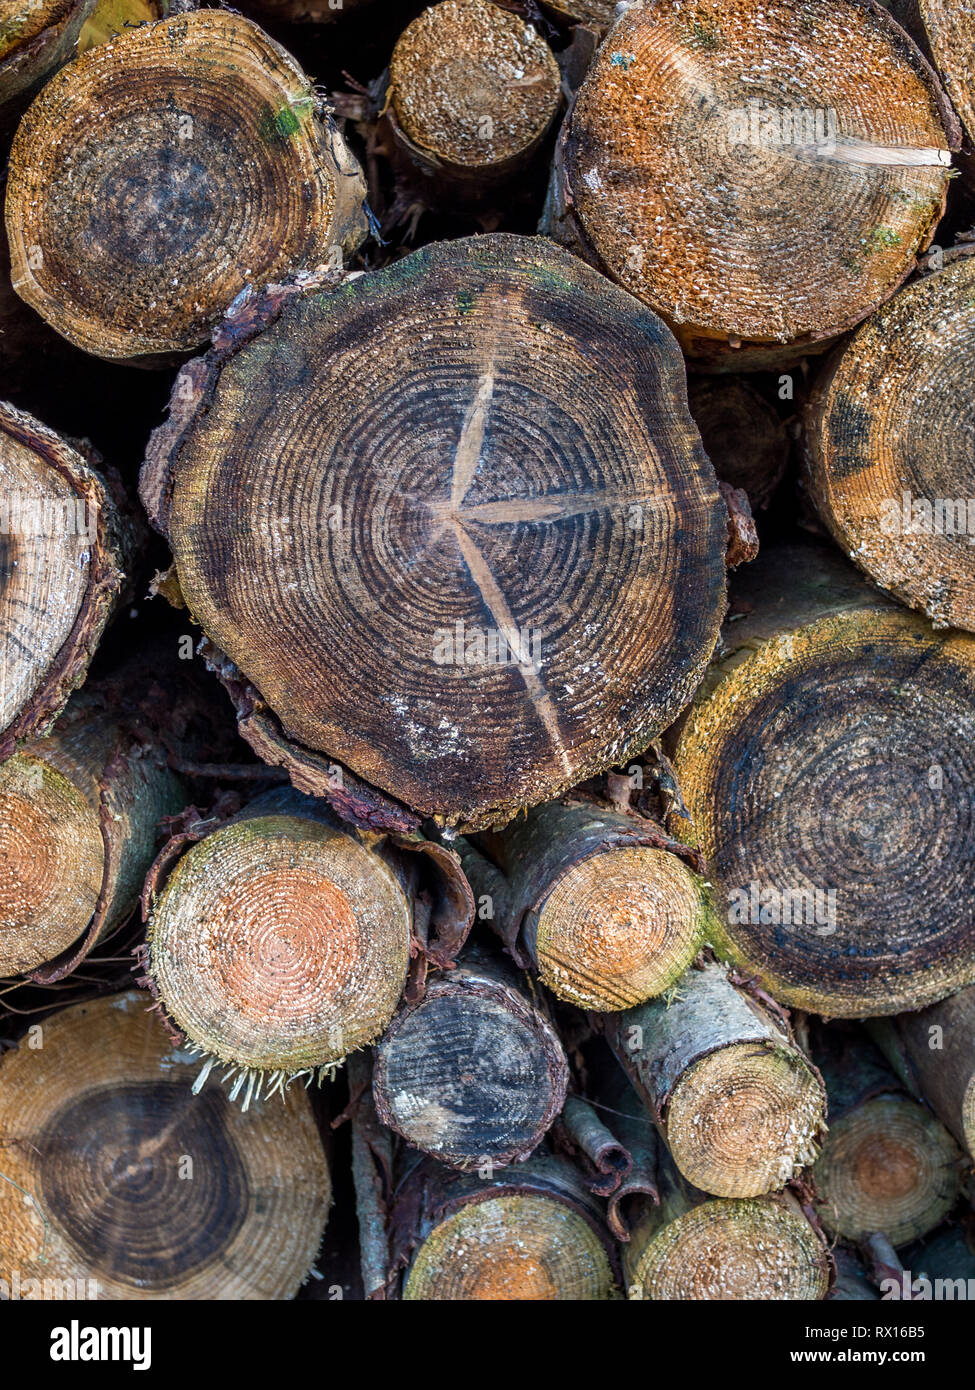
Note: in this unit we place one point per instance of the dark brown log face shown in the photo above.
(827, 766)
(488, 558)
(742, 435)
(162, 173)
(889, 443)
(689, 178)
(141, 1186)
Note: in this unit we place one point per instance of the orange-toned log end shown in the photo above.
(165, 171)
(823, 130)
(277, 945)
(738, 1250)
(743, 435)
(619, 928)
(887, 1165)
(512, 1246)
(454, 640)
(51, 862)
(138, 1189)
(473, 86)
(889, 446)
(949, 27)
(36, 38)
(62, 545)
(474, 1073)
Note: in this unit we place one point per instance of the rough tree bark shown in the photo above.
(887, 1165)
(949, 28)
(473, 91)
(826, 766)
(933, 1052)
(121, 166)
(98, 1137)
(474, 659)
(743, 435)
(35, 40)
(279, 942)
(64, 542)
(888, 432)
(594, 901)
(825, 131)
(537, 1232)
(691, 1248)
(737, 1103)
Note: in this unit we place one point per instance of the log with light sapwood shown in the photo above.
(473, 1072)
(826, 765)
(112, 1172)
(887, 1164)
(596, 902)
(761, 176)
(738, 1249)
(36, 38)
(79, 816)
(532, 1232)
(280, 941)
(473, 91)
(162, 173)
(471, 583)
(933, 1053)
(743, 436)
(888, 431)
(738, 1104)
(65, 537)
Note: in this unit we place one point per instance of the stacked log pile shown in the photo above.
(485, 782)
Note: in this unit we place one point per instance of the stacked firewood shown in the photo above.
(486, 781)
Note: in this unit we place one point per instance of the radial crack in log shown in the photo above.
(137, 1189)
(372, 582)
(165, 171)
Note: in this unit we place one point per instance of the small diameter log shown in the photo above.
(473, 91)
(79, 816)
(532, 1233)
(451, 641)
(743, 435)
(762, 178)
(887, 1164)
(888, 431)
(63, 545)
(115, 1177)
(473, 1073)
(933, 1052)
(593, 901)
(689, 1249)
(165, 171)
(738, 1104)
(826, 766)
(280, 942)
(36, 38)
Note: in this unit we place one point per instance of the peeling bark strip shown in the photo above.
(760, 1249)
(738, 1105)
(474, 1073)
(279, 942)
(888, 433)
(597, 903)
(473, 91)
(472, 583)
(933, 1052)
(140, 1187)
(742, 434)
(63, 543)
(827, 765)
(79, 815)
(887, 1165)
(532, 1232)
(210, 167)
(760, 176)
